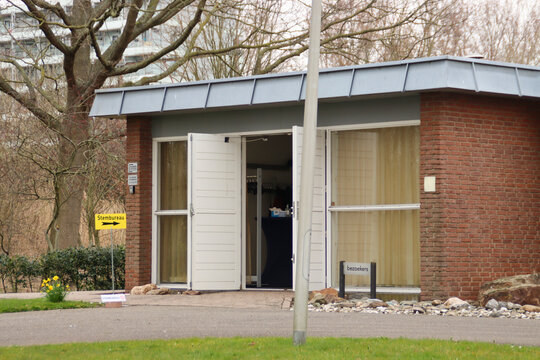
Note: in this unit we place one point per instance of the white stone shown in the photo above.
(492, 304)
(456, 303)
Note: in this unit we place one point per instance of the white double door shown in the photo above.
(215, 211)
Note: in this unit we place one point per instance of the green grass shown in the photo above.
(18, 305)
(273, 348)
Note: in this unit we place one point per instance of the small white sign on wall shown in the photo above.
(132, 180)
(132, 167)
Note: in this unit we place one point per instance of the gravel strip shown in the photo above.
(436, 307)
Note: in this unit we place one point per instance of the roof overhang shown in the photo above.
(444, 73)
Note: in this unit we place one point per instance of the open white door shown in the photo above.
(214, 163)
(317, 269)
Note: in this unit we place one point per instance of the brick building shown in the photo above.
(429, 167)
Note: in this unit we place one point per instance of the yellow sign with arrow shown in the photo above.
(110, 221)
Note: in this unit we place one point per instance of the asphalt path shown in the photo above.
(168, 322)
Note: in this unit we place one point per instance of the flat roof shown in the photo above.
(407, 76)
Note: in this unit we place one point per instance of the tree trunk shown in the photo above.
(73, 137)
(70, 191)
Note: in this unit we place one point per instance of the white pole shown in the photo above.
(306, 179)
(112, 262)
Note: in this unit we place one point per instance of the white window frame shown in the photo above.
(156, 213)
(331, 209)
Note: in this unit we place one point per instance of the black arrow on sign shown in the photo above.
(110, 223)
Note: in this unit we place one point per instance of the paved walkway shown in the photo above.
(249, 313)
(236, 299)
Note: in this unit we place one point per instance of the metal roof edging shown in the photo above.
(413, 78)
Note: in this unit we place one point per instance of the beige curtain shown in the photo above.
(173, 249)
(173, 228)
(173, 175)
(377, 167)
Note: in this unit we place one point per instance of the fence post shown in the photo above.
(373, 280)
(341, 293)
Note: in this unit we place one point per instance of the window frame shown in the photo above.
(156, 213)
(330, 210)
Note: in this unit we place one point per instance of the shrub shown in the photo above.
(17, 271)
(83, 268)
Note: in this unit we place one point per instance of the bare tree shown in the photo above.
(104, 173)
(60, 94)
(499, 30)
(22, 186)
(505, 30)
(53, 56)
(352, 32)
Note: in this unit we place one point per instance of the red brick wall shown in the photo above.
(139, 205)
(483, 221)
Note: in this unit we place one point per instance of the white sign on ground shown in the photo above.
(113, 298)
(351, 268)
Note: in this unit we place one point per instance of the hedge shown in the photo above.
(82, 268)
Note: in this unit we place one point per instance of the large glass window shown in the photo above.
(172, 212)
(375, 202)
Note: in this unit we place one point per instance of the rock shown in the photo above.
(160, 291)
(346, 304)
(436, 302)
(317, 298)
(330, 298)
(530, 308)
(191, 292)
(409, 302)
(456, 303)
(519, 289)
(375, 303)
(492, 304)
(327, 291)
(325, 296)
(418, 310)
(143, 289)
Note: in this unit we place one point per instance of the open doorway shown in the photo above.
(268, 216)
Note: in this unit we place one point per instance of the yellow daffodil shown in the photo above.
(50, 287)
(55, 278)
(48, 279)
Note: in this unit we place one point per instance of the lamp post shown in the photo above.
(306, 179)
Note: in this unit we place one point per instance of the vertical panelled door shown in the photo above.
(317, 270)
(215, 211)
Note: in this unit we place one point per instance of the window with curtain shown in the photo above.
(172, 212)
(374, 204)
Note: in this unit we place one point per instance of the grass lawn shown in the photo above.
(17, 305)
(273, 348)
